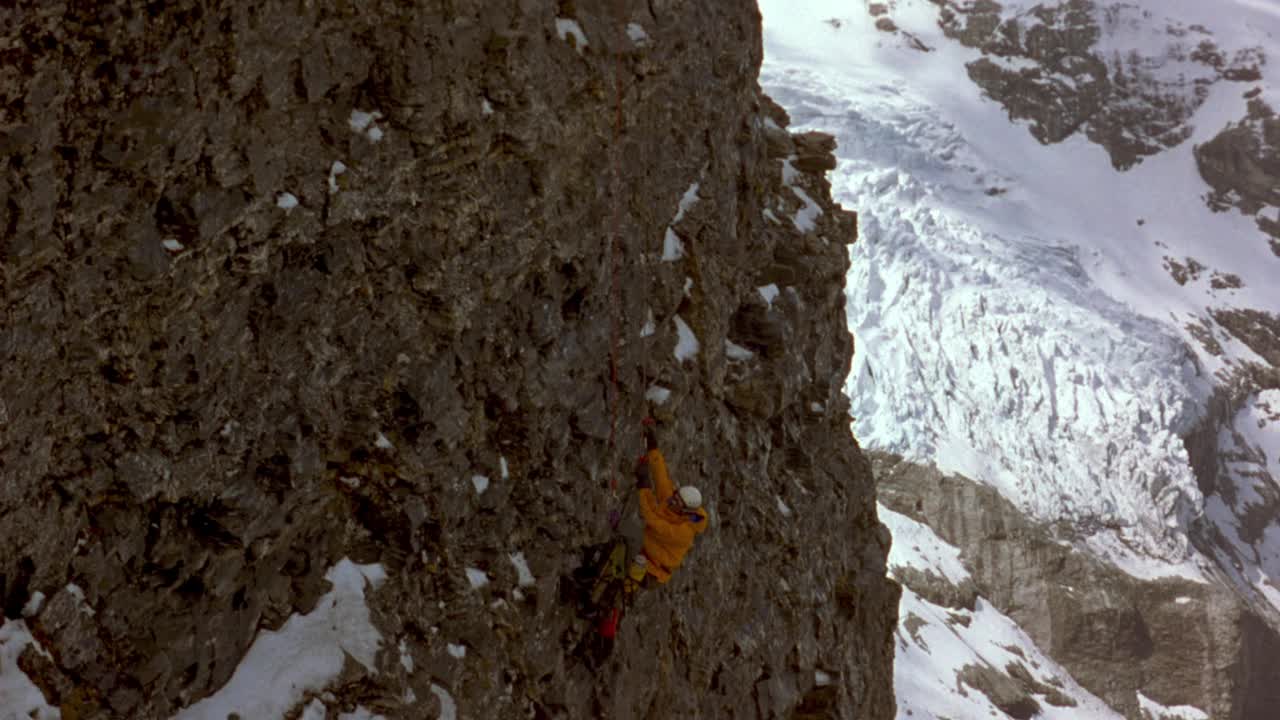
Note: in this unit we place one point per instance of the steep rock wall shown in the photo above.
(279, 281)
(1178, 642)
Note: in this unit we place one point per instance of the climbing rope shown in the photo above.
(614, 252)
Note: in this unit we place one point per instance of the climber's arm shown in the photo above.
(658, 473)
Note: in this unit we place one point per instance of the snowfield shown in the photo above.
(936, 644)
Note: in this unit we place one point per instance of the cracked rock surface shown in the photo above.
(281, 283)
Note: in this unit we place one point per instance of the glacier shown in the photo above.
(996, 356)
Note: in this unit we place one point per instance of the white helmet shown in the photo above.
(691, 497)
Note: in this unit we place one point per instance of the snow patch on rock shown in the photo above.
(21, 698)
(569, 28)
(686, 341)
(305, 654)
(1156, 711)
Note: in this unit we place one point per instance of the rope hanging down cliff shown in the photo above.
(613, 253)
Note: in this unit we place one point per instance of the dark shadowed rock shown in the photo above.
(279, 280)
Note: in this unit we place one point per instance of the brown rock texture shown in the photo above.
(280, 278)
(1241, 164)
(1178, 642)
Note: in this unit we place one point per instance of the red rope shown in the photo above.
(614, 250)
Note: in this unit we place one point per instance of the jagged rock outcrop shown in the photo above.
(1242, 166)
(1045, 65)
(1178, 642)
(285, 284)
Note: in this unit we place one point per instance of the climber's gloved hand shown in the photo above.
(642, 476)
(650, 433)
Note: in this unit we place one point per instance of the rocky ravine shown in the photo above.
(1178, 642)
(280, 281)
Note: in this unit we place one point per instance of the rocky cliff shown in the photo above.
(1178, 642)
(336, 321)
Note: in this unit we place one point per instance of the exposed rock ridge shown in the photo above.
(1178, 642)
(1242, 166)
(283, 283)
(1045, 65)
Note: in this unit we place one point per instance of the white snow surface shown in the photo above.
(917, 546)
(686, 341)
(1030, 339)
(406, 657)
(566, 27)
(734, 351)
(304, 655)
(20, 699)
(672, 246)
(927, 662)
(477, 578)
(448, 708)
(78, 593)
(806, 217)
(637, 33)
(933, 647)
(335, 170)
(657, 394)
(783, 508)
(524, 578)
(315, 710)
(33, 605)
(687, 201)
(1156, 711)
(365, 123)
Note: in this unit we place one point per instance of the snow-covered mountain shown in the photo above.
(1069, 274)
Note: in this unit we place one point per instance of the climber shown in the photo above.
(606, 582)
(672, 518)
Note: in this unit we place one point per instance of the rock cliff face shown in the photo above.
(1177, 642)
(394, 283)
(1242, 165)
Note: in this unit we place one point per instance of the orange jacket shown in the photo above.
(668, 533)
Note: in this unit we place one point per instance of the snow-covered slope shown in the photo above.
(1016, 305)
(969, 663)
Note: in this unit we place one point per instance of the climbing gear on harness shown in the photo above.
(638, 567)
(602, 594)
(635, 575)
(611, 573)
(609, 624)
